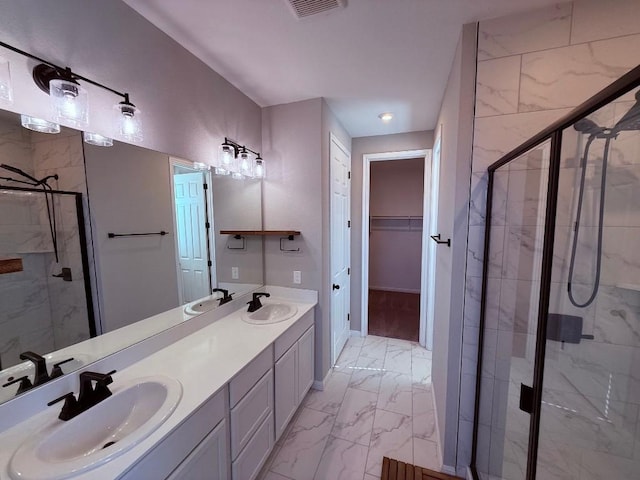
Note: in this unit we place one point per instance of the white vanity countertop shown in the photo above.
(203, 362)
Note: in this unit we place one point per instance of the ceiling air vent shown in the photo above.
(306, 8)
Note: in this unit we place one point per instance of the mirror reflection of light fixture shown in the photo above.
(6, 93)
(239, 161)
(129, 125)
(97, 139)
(38, 124)
(70, 100)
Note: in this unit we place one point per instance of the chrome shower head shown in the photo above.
(630, 120)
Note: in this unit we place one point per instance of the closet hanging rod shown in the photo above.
(114, 235)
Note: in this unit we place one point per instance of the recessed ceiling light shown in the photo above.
(386, 117)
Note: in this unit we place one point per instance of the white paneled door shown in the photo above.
(191, 219)
(340, 171)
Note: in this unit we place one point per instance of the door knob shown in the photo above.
(336, 287)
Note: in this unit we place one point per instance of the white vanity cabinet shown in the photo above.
(293, 371)
(208, 460)
(251, 401)
(199, 444)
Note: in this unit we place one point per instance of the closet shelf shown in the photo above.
(406, 223)
(10, 265)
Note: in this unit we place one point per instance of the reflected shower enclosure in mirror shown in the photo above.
(125, 189)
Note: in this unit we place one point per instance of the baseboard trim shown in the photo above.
(356, 333)
(469, 474)
(320, 384)
(449, 470)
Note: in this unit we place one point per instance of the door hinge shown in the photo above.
(349, 175)
(209, 263)
(348, 271)
(348, 223)
(348, 317)
(205, 186)
(207, 225)
(526, 398)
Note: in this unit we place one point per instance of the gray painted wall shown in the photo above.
(296, 196)
(455, 127)
(362, 145)
(187, 107)
(137, 277)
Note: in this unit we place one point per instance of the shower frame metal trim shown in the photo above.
(623, 85)
(84, 252)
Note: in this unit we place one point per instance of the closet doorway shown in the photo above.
(395, 186)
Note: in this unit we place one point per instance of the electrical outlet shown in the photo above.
(297, 277)
(234, 273)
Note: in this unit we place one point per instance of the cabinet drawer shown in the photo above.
(250, 412)
(248, 464)
(249, 375)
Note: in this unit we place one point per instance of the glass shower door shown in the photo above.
(591, 386)
(513, 281)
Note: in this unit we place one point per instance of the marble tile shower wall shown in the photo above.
(62, 154)
(40, 312)
(532, 69)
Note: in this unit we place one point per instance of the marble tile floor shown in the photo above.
(377, 402)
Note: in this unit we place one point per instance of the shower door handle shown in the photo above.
(526, 398)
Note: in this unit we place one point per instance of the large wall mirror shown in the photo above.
(99, 261)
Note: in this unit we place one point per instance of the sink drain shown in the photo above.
(108, 444)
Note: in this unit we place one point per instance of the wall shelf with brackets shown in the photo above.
(10, 265)
(283, 234)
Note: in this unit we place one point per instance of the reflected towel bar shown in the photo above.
(436, 238)
(114, 235)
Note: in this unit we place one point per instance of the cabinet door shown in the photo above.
(208, 460)
(305, 364)
(286, 388)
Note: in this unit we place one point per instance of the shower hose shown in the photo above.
(576, 234)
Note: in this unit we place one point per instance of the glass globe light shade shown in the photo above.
(70, 102)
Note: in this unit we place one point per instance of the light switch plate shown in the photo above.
(297, 277)
(234, 273)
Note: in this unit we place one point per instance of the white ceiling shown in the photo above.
(371, 57)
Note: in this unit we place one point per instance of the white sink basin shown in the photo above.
(201, 306)
(27, 368)
(270, 313)
(98, 435)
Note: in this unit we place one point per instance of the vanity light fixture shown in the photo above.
(6, 92)
(38, 124)
(70, 100)
(386, 117)
(97, 139)
(238, 160)
(258, 167)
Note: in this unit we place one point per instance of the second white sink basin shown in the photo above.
(96, 436)
(270, 313)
